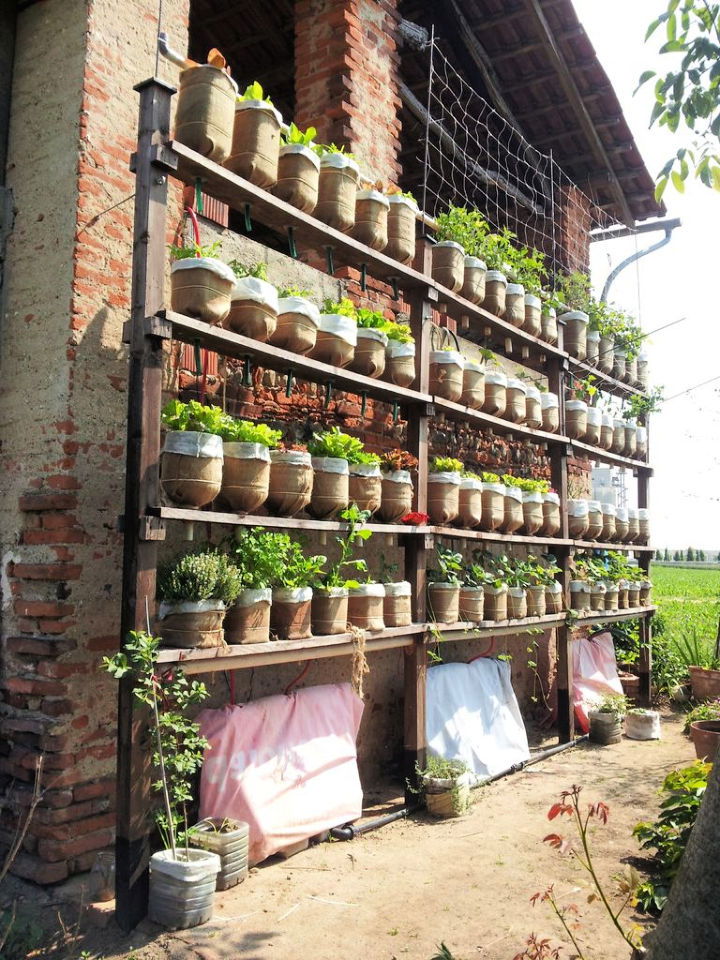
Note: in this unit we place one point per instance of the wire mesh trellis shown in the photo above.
(475, 157)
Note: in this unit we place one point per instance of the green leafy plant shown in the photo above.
(584, 389)
(445, 465)
(397, 459)
(244, 431)
(295, 135)
(294, 292)
(498, 251)
(370, 319)
(388, 571)
(201, 575)
(355, 535)
(526, 483)
(259, 271)
(178, 747)
(574, 290)
(258, 555)
(297, 570)
(466, 227)
(438, 768)
(398, 331)
(639, 407)
(614, 704)
(529, 269)
(193, 416)
(185, 253)
(694, 650)
(490, 477)
(344, 307)
(335, 443)
(668, 835)
(322, 148)
(254, 91)
(449, 566)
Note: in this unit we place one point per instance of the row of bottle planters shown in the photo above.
(608, 595)
(614, 434)
(593, 520)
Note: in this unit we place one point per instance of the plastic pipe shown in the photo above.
(543, 755)
(350, 831)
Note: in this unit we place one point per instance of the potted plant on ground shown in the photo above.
(371, 344)
(256, 138)
(470, 500)
(291, 480)
(371, 215)
(182, 880)
(254, 303)
(205, 111)
(290, 617)
(446, 373)
(331, 451)
(194, 591)
(397, 607)
(229, 839)
(402, 218)
(332, 589)
(246, 463)
(337, 334)
(200, 283)
(396, 485)
(400, 353)
(493, 501)
(257, 554)
(642, 724)
(702, 660)
(606, 720)
(298, 321)
(298, 172)
(443, 587)
(446, 787)
(472, 593)
(444, 479)
(339, 175)
(191, 463)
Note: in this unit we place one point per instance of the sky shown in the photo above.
(681, 280)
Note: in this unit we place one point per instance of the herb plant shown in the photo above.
(185, 253)
(466, 227)
(203, 575)
(254, 91)
(244, 431)
(398, 331)
(332, 576)
(445, 465)
(335, 443)
(702, 711)
(296, 570)
(449, 566)
(258, 555)
(294, 292)
(295, 135)
(322, 148)
(193, 416)
(370, 319)
(259, 271)
(344, 307)
(615, 704)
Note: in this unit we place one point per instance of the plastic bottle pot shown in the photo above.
(336, 191)
(254, 306)
(448, 265)
(370, 352)
(248, 620)
(256, 142)
(205, 112)
(371, 218)
(401, 228)
(297, 325)
(298, 176)
(473, 288)
(291, 481)
(191, 467)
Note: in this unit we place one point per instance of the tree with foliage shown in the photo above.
(690, 555)
(700, 555)
(690, 90)
(667, 555)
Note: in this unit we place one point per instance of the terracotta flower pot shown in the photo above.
(575, 339)
(577, 511)
(551, 515)
(550, 407)
(473, 288)
(336, 191)
(496, 603)
(290, 617)
(705, 683)
(472, 604)
(365, 606)
(448, 265)
(576, 419)
(365, 486)
(329, 611)
(331, 487)
(533, 408)
(370, 351)
(248, 620)
(201, 287)
(606, 353)
(401, 228)
(549, 327)
(443, 602)
(470, 508)
(397, 495)
(298, 176)
(536, 605)
(443, 497)
(493, 503)
(516, 400)
(594, 520)
(371, 218)
(400, 363)
(191, 623)
(397, 607)
(446, 374)
(246, 476)
(206, 111)
(473, 392)
(191, 467)
(256, 142)
(517, 603)
(532, 323)
(253, 309)
(291, 482)
(495, 292)
(495, 400)
(297, 326)
(532, 506)
(336, 340)
(512, 510)
(515, 304)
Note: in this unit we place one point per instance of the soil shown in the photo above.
(399, 891)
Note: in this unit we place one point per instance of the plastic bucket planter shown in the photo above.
(473, 390)
(495, 393)
(229, 839)
(256, 142)
(577, 518)
(191, 467)
(630, 438)
(592, 346)
(642, 725)
(444, 602)
(206, 111)
(606, 432)
(192, 623)
(336, 191)
(371, 218)
(619, 363)
(579, 596)
(532, 505)
(594, 424)
(597, 596)
(605, 728)
(576, 412)
(517, 603)
(291, 481)
(365, 486)
(513, 517)
(182, 890)
(397, 495)
(533, 315)
(446, 374)
(706, 739)
(550, 407)
(472, 604)
(644, 525)
(298, 176)
(397, 610)
(595, 520)
(448, 265)
(370, 352)
(553, 597)
(621, 525)
(549, 327)
(246, 476)
(618, 443)
(495, 292)
(493, 506)
(608, 527)
(470, 502)
(297, 326)
(643, 370)
(633, 525)
(248, 620)
(400, 363)
(536, 605)
(606, 353)
(336, 340)
(201, 287)
(515, 304)
(516, 400)
(365, 606)
(645, 593)
(447, 798)
(331, 487)
(496, 603)
(575, 339)
(443, 497)
(611, 596)
(401, 228)
(290, 613)
(641, 442)
(533, 409)
(253, 309)
(705, 683)
(329, 611)
(551, 515)
(473, 288)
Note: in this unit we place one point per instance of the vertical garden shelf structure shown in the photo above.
(157, 159)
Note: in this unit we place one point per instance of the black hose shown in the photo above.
(543, 755)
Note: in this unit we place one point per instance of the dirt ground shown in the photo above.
(398, 891)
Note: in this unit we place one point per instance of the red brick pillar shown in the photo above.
(574, 224)
(346, 79)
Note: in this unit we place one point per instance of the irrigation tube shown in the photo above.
(350, 831)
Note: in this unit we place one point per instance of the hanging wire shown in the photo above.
(159, 31)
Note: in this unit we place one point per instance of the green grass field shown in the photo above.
(689, 602)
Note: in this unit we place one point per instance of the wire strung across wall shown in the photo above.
(474, 157)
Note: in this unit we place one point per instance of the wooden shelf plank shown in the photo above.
(604, 380)
(488, 628)
(456, 411)
(282, 523)
(611, 616)
(604, 456)
(599, 545)
(230, 344)
(496, 537)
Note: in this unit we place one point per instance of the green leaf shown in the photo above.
(660, 188)
(644, 77)
(678, 181)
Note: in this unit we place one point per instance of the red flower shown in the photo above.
(415, 519)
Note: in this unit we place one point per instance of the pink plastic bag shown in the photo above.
(287, 765)
(594, 674)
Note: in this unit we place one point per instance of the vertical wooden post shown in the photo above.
(141, 491)
(645, 660)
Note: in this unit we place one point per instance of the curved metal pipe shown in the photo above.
(632, 258)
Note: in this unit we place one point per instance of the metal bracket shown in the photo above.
(151, 528)
(428, 410)
(164, 157)
(157, 326)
